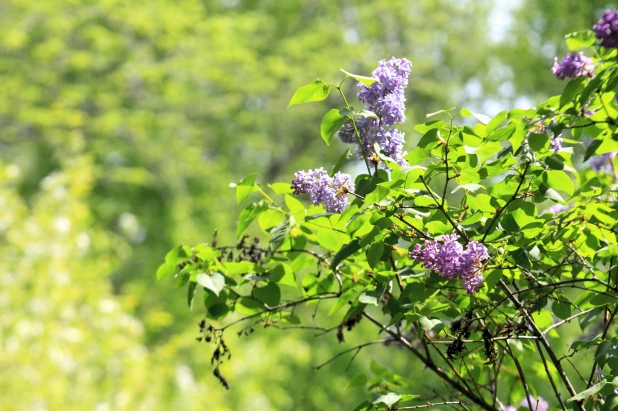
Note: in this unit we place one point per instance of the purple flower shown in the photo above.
(606, 29)
(451, 260)
(331, 191)
(573, 65)
(386, 96)
(537, 405)
(389, 140)
(556, 143)
(604, 163)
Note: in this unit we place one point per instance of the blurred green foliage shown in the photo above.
(122, 125)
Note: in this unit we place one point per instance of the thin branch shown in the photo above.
(522, 178)
(521, 373)
(358, 348)
(558, 324)
(543, 341)
(549, 377)
(440, 205)
(435, 404)
(431, 365)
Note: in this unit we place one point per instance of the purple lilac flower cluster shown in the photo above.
(573, 65)
(451, 260)
(322, 188)
(385, 98)
(604, 163)
(606, 29)
(556, 143)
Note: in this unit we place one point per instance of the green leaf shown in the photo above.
(345, 252)
(559, 180)
(587, 393)
(191, 294)
(439, 112)
(602, 299)
(364, 406)
(607, 353)
(178, 254)
(331, 123)
(429, 324)
(278, 234)
(580, 39)
(365, 80)
(431, 136)
(281, 188)
(315, 91)
(570, 90)
(165, 270)
(592, 148)
(561, 310)
(342, 160)
(215, 282)
(480, 117)
(550, 193)
(269, 295)
(374, 254)
(363, 113)
(468, 187)
(389, 399)
(373, 296)
(248, 214)
(342, 300)
(496, 121)
(283, 274)
(377, 195)
(543, 319)
(248, 306)
(359, 380)
(244, 187)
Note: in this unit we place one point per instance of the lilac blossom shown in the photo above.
(606, 29)
(322, 188)
(386, 99)
(603, 163)
(556, 143)
(451, 260)
(573, 65)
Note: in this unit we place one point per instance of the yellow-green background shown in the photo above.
(122, 124)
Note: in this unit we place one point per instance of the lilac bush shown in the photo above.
(471, 209)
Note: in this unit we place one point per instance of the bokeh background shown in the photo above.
(122, 124)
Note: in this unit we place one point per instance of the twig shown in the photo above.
(431, 365)
(543, 341)
(358, 348)
(435, 404)
(549, 377)
(558, 324)
(521, 373)
(522, 178)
